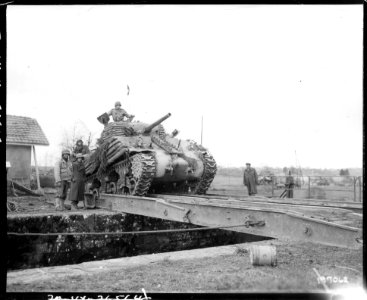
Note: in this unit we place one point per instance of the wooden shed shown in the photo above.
(22, 134)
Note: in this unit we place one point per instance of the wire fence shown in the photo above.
(341, 188)
(322, 187)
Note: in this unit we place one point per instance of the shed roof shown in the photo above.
(24, 130)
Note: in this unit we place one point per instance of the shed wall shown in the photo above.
(20, 160)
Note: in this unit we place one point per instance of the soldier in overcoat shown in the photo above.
(78, 178)
(250, 179)
(289, 184)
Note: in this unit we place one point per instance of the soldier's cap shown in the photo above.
(248, 164)
(65, 151)
(79, 142)
(117, 103)
(79, 155)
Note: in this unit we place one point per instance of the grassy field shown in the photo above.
(233, 185)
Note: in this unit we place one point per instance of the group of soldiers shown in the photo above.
(70, 171)
(70, 174)
(250, 180)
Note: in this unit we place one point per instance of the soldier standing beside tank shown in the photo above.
(118, 113)
(250, 179)
(79, 148)
(62, 174)
(78, 178)
(289, 184)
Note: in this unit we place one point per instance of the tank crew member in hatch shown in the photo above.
(118, 113)
(250, 179)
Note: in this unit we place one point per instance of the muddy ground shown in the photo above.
(229, 272)
(28, 205)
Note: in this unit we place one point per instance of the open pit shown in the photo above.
(50, 249)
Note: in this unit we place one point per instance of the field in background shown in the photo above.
(233, 185)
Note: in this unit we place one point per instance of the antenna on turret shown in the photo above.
(201, 138)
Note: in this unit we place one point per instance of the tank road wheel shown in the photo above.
(210, 168)
(143, 168)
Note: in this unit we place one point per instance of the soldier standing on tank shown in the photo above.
(250, 179)
(118, 113)
(62, 174)
(78, 178)
(289, 184)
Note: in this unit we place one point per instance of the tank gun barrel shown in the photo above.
(154, 124)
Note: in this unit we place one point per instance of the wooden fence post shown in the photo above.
(37, 173)
(309, 187)
(354, 189)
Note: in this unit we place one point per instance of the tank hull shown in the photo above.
(139, 162)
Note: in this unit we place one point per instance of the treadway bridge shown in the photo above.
(332, 223)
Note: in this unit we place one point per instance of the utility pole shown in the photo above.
(299, 167)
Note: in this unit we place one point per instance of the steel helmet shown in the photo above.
(65, 151)
(117, 103)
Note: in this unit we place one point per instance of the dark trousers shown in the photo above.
(62, 191)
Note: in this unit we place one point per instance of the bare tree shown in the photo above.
(78, 131)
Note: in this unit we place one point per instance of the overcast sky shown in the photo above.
(270, 81)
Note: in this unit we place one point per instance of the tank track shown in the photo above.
(210, 169)
(143, 167)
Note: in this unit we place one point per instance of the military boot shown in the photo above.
(74, 205)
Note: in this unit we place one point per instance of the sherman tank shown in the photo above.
(138, 158)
